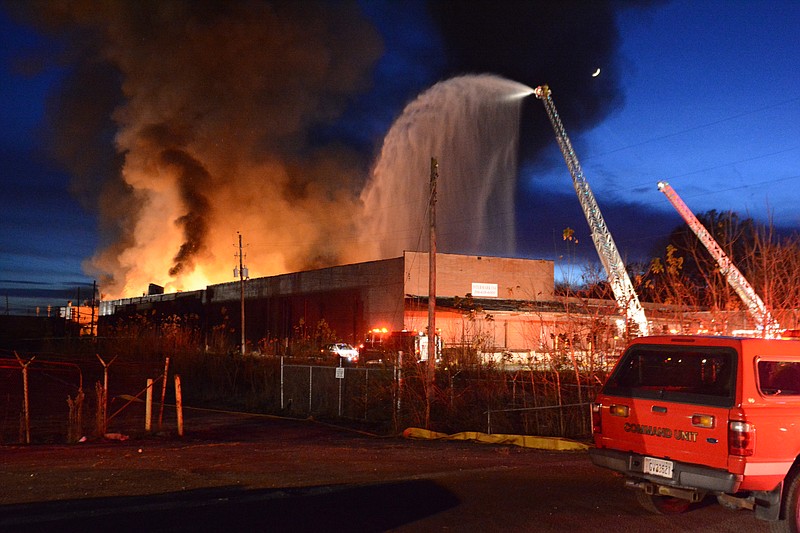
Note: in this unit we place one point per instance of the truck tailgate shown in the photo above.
(680, 432)
(670, 401)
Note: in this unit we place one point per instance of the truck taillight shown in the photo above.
(597, 424)
(741, 438)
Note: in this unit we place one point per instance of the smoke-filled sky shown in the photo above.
(138, 139)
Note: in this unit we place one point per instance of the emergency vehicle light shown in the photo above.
(703, 421)
(618, 410)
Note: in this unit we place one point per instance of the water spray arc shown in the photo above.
(471, 123)
(626, 297)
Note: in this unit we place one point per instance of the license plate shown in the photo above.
(657, 467)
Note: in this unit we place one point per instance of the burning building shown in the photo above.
(353, 299)
(501, 307)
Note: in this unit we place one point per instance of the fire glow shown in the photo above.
(216, 133)
(212, 136)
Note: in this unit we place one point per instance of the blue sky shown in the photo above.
(44, 233)
(701, 94)
(712, 106)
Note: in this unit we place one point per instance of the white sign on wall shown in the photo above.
(484, 290)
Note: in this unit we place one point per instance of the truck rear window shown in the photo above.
(688, 374)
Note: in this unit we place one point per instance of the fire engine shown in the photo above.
(383, 346)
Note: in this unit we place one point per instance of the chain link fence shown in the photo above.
(354, 393)
(48, 398)
(526, 402)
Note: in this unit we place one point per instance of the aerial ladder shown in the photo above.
(765, 324)
(621, 285)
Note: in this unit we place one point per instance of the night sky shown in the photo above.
(146, 134)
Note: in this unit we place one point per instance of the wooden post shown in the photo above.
(179, 404)
(148, 405)
(26, 414)
(26, 404)
(104, 400)
(163, 394)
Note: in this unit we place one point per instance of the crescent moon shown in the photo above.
(596, 73)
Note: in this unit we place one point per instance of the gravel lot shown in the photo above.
(252, 473)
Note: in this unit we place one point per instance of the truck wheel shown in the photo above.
(658, 504)
(790, 517)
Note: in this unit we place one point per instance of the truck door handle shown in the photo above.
(658, 409)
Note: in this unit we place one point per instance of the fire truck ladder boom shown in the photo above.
(761, 316)
(606, 249)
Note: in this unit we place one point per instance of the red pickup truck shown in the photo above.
(686, 417)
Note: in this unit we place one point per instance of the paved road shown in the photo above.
(261, 474)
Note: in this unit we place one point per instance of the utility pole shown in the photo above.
(431, 364)
(92, 323)
(242, 273)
